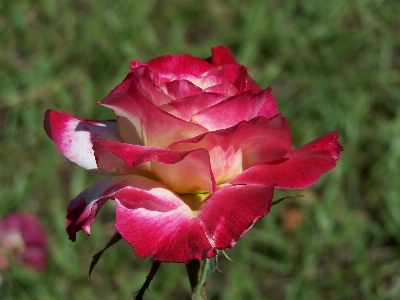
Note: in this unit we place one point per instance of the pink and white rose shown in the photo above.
(23, 240)
(192, 158)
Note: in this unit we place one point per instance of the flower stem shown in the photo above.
(193, 271)
(146, 284)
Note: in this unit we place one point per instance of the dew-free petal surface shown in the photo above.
(154, 126)
(74, 137)
(243, 146)
(222, 55)
(299, 170)
(181, 171)
(233, 210)
(231, 111)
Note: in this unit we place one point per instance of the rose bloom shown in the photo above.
(193, 157)
(23, 239)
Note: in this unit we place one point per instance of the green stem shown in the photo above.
(193, 270)
(146, 284)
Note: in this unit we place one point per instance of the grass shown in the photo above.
(332, 65)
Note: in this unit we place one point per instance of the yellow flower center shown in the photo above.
(194, 200)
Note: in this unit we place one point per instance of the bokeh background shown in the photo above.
(331, 65)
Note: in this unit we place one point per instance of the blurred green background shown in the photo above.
(331, 65)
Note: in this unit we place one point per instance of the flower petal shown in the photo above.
(74, 137)
(185, 108)
(84, 208)
(178, 235)
(149, 84)
(229, 213)
(240, 147)
(172, 235)
(152, 125)
(231, 111)
(170, 66)
(299, 170)
(148, 216)
(232, 74)
(269, 107)
(177, 89)
(222, 55)
(182, 172)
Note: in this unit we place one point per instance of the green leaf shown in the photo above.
(115, 238)
(209, 266)
(284, 198)
(226, 256)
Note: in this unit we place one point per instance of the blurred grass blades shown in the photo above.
(331, 66)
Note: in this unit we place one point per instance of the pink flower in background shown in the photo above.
(22, 239)
(193, 157)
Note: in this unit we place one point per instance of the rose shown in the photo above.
(194, 156)
(23, 239)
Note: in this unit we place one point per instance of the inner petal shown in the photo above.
(235, 149)
(191, 175)
(226, 163)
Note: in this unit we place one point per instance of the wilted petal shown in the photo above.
(299, 170)
(74, 137)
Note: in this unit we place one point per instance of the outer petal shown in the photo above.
(243, 146)
(84, 208)
(150, 217)
(172, 235)
(179, 235)
(229, 213)
(221, 55)
(75, 137)
(153, 126)
(182, 172)
(269, 107)
(300, 170)
(157, 222)
(227, 113)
